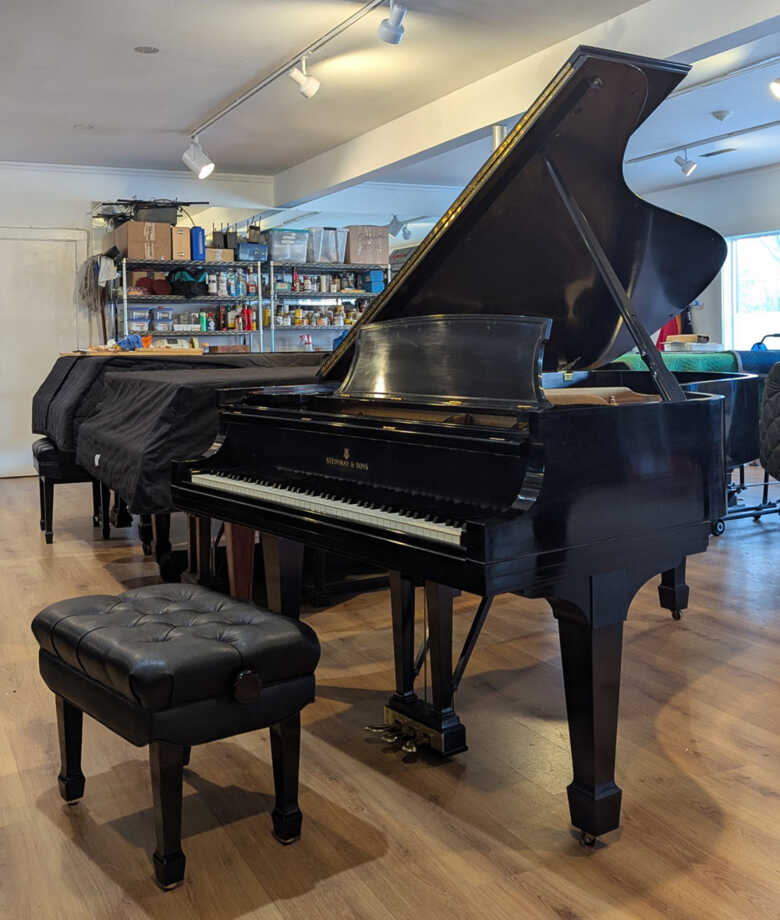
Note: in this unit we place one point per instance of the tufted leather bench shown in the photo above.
(54, 466)
(172, 666)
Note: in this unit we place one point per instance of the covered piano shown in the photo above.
(464, 437)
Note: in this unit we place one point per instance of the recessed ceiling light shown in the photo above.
(721, 114)
(146, 49)
(774, 87)
(83, 126)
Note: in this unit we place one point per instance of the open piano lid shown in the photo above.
(508, 244)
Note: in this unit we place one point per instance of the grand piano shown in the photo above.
(464, 436)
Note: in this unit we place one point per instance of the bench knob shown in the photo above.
(247, 686)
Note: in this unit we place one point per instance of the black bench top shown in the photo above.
(164, 646)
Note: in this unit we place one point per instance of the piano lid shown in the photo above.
(508, 244)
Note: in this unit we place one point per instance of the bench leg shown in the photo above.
(166, 762)
(95, 503)
(48, 509)
(42, 503)
(69, 724)
(286, 753)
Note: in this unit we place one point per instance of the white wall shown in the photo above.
(733, 205)
(61, 196)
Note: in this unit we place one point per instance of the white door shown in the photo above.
(38, 320)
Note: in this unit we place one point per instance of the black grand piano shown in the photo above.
(463, 436)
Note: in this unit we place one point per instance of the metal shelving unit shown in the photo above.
(315, 268)
(177, 299)
(256, 337)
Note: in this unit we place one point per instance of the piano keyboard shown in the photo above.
(355, 510)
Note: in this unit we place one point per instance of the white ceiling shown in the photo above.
(684, 118)
(67, 64)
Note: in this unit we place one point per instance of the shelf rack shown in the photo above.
(191, 265)
(272, 296)
(314, 268)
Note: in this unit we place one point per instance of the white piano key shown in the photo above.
(308, 500)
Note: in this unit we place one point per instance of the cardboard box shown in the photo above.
(180, 244)
(141, 239)
(368, 245)
(219, 255)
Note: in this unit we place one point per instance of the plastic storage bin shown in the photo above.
(137, 319)
(286, 245)
(373, 281)
(162, 319)
(326, 244)
(251, 252)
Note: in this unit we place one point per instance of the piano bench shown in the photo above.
(172, 666)
(54, 466)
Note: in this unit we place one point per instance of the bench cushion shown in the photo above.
(165, 646)
(56, 464)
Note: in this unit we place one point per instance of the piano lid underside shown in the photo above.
(508, 245)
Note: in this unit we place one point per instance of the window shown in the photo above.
(751, 290)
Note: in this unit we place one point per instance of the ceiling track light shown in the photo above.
(195, 159)
(774, 88)
(686, 166)
(307, 85)
(391, 29)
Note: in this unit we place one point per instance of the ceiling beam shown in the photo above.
(659, 28)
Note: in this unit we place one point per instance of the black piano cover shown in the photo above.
(73, 389)
(148, 419)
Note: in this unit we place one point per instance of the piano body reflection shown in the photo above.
(463, 436)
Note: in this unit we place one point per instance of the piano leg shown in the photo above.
(283, 564)
(590, 614)
(240, 544)
(673, 591)
(199, 548)
(163, 550)
(146, 533)
(402, 603)
(435, 723)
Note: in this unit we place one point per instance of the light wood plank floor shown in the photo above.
(398, 837)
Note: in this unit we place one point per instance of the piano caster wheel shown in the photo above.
(677, 614)
(390, 737)
(587, 840)
(718, 527)
(147, 548)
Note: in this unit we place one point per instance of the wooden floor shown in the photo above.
(403, 837)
